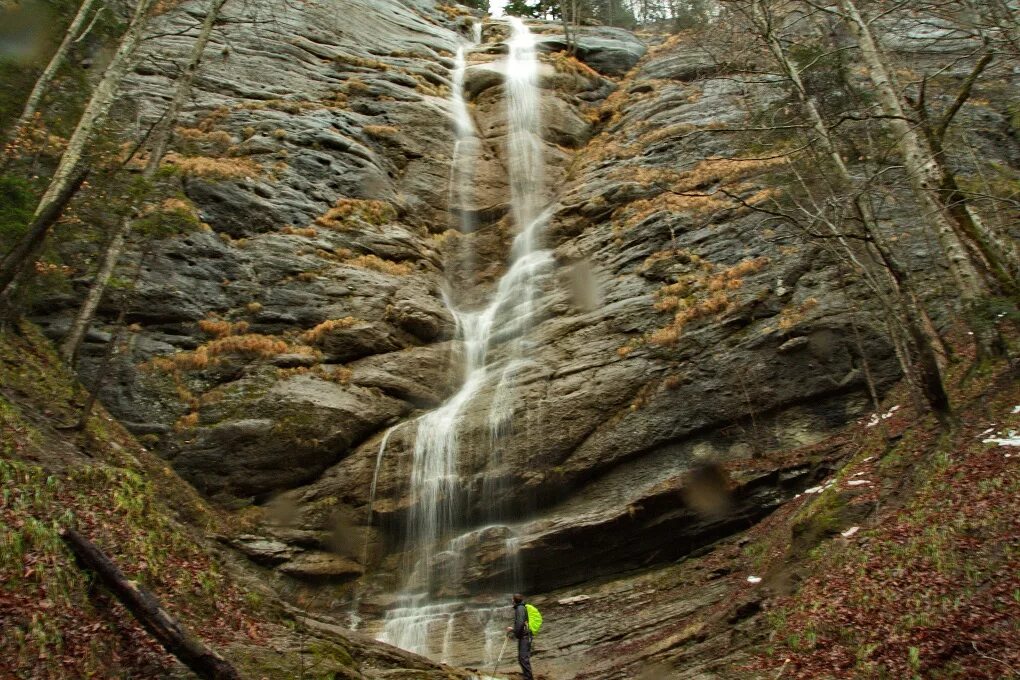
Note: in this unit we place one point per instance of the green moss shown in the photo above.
(17, 202)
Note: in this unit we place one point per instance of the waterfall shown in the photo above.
(420, 620)
(465, 146)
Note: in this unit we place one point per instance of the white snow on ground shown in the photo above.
(849, 532)
(1016, 409)
(875, 418)
(1012, 438)
(754, 579)
(858, 482)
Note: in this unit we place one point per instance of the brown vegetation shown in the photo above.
(314, 335)
(347, 213)
(214, 168)
(379, 264)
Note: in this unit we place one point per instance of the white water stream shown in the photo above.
(421, 622)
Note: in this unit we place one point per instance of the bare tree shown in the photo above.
(15, 266)
(42, 84)
(920, 166)
(870, 255)
(160, 139)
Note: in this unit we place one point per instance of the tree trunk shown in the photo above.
(144, 606)
(929, 347)
(33, 239)
(42, 84)
(88, 125)
(1000, 257)
(79, 327)
(925, 178)
(72, 342)
(921, 169)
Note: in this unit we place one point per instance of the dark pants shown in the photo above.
(524, 656)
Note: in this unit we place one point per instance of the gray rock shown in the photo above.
(612, 51)
(263, 550)
(321, 567)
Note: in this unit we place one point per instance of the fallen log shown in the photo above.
(144, 606)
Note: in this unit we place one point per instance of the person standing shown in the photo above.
(522, 631)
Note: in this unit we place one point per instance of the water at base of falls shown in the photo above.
(421, 621)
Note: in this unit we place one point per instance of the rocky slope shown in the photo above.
(275, 348)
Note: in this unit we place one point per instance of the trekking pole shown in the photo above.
(506, 638)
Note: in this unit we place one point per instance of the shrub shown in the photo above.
(378, 264)
(252, 346)
(309, 232)
(214, 168)
(381, 132)
(360, 62)
(17, 203)
(220, 328)
(348, 211)
(214, 138)
(186, 422)
(315, 335)
(173, 215)
(794, 314)
(700, 294)
(357, 87)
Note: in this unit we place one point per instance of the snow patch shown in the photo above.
(876, 418)
(1012, 438)
(849, 532)
(754, 579)
(858, 482)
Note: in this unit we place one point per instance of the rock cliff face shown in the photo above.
(278, 346)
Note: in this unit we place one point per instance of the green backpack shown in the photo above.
(534, 618)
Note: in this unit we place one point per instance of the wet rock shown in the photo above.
(356, 341)
(423, 376)
(306, 425)
(321, 567)
(612, 51)
(263, 550)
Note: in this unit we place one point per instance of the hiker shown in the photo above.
(522, 631)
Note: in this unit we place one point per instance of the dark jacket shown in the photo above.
(521, 628)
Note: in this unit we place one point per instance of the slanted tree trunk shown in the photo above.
(88, 125)
(926, 180)
(144, 606)
(921, 170)
(928, 344)
(161, 138)
(30, 243)
(1000, 256)
(42, 84)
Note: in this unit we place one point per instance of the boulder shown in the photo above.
(321, 567)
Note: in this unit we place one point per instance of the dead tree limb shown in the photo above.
(144, 606)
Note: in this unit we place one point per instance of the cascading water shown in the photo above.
(418, 622)
(465, 146)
